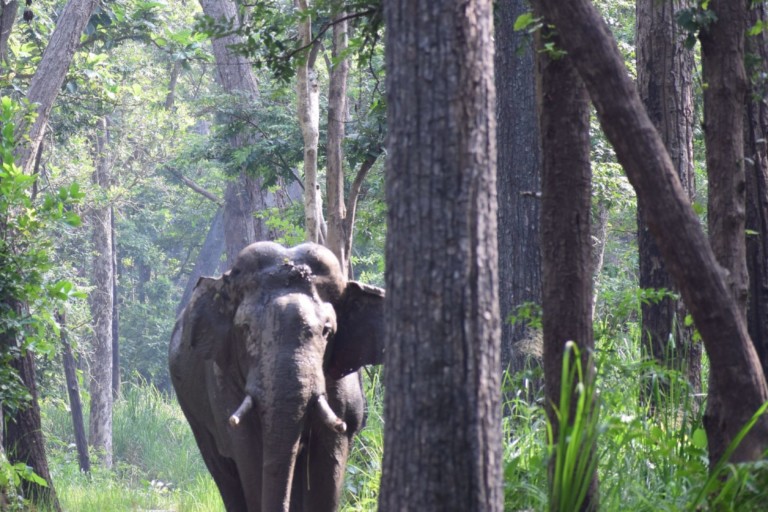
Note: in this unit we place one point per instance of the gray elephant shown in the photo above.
(265, 365)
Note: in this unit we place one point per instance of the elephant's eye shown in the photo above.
(327, 330)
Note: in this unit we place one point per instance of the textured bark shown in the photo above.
(722, 62)
(7, 18)
(665, 84)
(566, 248)
(519, 179)
(690, 261)
(50, 73)
(102, 302)
(73, 391)
(756, 173)
(24, 439)
(442, 406)
(308, 109)
(244, 195)
(116, 376)
(337, 111)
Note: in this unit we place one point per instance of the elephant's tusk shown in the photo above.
(329, 417)
(246, 406)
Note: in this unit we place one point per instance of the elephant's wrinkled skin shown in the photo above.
(264, 361)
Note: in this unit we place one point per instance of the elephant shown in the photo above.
(265, 364)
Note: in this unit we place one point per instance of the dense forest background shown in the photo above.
(168, 119)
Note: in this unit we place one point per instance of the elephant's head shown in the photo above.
(279, 326)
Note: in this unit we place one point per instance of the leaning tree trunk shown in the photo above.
(519, 180)
(756, 174)
(442, 406)
(102, 302)
(734, 366)
(43, 90)
(566, 248)
(7, 18)
(50, 73)
(665, 83)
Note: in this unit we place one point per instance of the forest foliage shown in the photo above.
(147, 67)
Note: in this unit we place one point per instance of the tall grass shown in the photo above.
(646, 462)
(157, 465)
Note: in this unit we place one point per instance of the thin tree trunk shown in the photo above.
(665, 83)
(337, 112)
(519, 181)
(102, 302)
(308, 108)
(73, 391)
(442, 406)
(115, 312)
(734, 366)
(566, 246)
(756, 171)
(50, 73)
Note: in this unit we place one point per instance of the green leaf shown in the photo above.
(524, 21)
(699, 438)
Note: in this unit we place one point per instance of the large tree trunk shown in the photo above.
(756, 173)
(664, 77)
(566, 248)
(722, 60)
(337, 112)
(308, 109)
(49, 76)
(208, 259)
(519, 179)
(116, 376)
(734, 368)
(245, 195)
(102, 302)
(442, 406)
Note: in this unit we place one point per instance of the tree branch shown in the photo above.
(197, 188)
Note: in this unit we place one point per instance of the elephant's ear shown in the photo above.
(207, 319)
(359, 338)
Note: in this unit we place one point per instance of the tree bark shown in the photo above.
(50, 73)
(115, 311)
(442, 406)
(43, 90)
(308, 108)
(519, 180)
(337, 112)
(722, 62)
(566, 248)
(689, 258)
(102, 302)
(245, 195)
(208, 260)
(756, 172)
(7, 19)
(73, 391)
(665, 84)
(24, 438)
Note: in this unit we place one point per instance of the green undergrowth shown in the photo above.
(646, 462)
